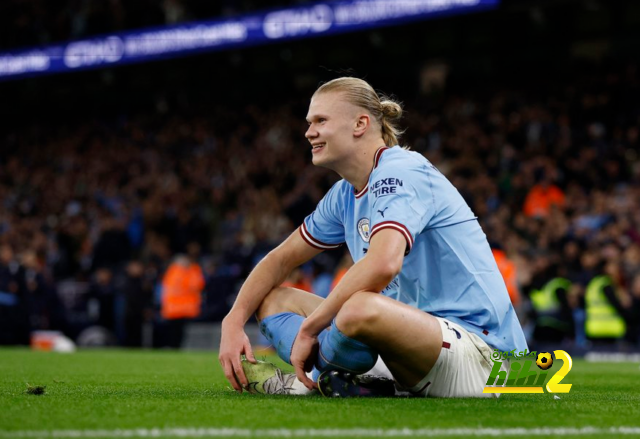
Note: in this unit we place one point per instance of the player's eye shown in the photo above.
(322, 120)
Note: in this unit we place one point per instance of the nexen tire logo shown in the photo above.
(291, 23)
(90, 53)
(385, 186)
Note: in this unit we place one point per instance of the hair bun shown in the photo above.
(391, 110)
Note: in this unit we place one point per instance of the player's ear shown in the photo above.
(362, 124)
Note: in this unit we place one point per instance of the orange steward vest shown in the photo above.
(182, 291)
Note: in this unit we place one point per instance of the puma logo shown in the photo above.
(382, 211)
(453, 329)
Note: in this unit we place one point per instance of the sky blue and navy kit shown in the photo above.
(448, 270)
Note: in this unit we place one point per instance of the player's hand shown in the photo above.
(303, 356)
(233, 344)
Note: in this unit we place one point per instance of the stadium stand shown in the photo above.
(95, 208)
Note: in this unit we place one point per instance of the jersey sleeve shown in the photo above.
(402, 200)
(324, 228)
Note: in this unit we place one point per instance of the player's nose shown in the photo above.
(311, 133)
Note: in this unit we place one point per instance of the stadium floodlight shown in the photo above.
(318, 19)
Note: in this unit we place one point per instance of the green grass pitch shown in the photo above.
(129, 393)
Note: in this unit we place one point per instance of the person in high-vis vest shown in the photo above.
(182, 287)
(552, 311)
(604, 312)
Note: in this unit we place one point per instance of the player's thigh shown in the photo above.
(287, 299)
(409, 340)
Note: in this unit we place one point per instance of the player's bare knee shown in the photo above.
(273, 303)
(358, 314)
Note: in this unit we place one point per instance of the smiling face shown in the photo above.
(333, 128)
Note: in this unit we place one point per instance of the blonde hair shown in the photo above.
(384, 110)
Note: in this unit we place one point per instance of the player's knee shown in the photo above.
(358, 314)
(273, 303)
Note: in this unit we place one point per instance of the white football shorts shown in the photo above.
(462, 369)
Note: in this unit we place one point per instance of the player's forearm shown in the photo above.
(268, 274)
(370, 274)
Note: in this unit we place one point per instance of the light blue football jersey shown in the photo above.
(449, 270)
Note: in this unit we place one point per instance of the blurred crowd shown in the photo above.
(94, 215)
(35, 22)
(108, 205)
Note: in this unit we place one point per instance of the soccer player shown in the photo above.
(424, 295)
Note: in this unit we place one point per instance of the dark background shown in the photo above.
(477, 89)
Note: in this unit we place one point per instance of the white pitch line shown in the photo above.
(337, 432)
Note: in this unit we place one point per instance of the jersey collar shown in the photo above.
(376, 160)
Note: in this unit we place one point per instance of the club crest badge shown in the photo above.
(363, 229)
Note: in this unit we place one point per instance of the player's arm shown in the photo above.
(372, 273)
(270, 272)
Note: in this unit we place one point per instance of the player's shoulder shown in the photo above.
(398, 159)
(340, 186)
(339, 190)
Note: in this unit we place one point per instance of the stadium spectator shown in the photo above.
(103, 296)
(14, 324)
(509, 274)
(136, 291)
(182, 287)
(542, 197)
(113, 247)
(36, 291)
(605, 302)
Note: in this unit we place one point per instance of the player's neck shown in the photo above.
(357, 170)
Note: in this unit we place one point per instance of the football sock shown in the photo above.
(337, 351)
(281, 330)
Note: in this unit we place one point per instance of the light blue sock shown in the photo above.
(337, 351)
(281, 330)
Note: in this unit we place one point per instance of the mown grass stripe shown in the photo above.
(338, 432)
